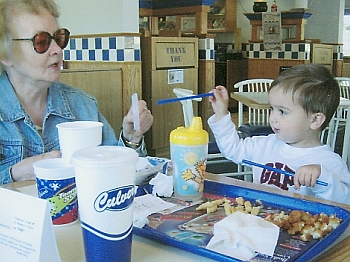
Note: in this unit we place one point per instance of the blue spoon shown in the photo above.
(244, 161)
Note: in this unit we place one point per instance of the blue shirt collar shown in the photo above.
(12, 110)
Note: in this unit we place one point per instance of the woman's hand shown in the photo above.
(24, 170)
(146, 121)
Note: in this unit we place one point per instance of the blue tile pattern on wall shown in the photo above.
(298, 51)
(120, 55)
(295, 51)
(85, 43)
(79, 54)
(137, 55)
(119, 49)
(105, 55)
(126, 48)
(112, 43)
(98, 43)
(66, 54)
(201, 54)
(206, 49)
(92, 56)
(114, 49)
(72, 44)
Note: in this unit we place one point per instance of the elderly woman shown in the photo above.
(33, 102)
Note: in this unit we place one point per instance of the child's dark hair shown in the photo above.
(313, 87)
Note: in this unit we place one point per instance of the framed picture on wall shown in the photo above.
(188, 23)
(271, 25)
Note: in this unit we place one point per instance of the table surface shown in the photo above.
(257, 100)
(260, 100)
(70, 243)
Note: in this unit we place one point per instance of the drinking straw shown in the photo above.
(171, 100)
(135, 111)
(248, 162)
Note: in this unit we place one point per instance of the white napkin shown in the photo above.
(146, 205)
(147, 167)
(163, 185)
(240, 235)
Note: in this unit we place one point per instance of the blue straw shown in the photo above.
(171, 100)
(244, 161)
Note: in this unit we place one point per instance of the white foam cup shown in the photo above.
(77, 135)
(105, 183)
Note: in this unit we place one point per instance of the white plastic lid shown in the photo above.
(105, 156)
(53, 168)
(78, 125)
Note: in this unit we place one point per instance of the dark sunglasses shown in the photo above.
(42, 40)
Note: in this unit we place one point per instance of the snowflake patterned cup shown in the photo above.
(56, 183)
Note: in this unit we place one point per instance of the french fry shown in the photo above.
(227, 208)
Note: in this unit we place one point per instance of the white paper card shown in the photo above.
(150, 203)
(175, 76)
(26, 230)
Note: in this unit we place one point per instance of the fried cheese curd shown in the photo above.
(296, 222)
(239, 205)
(301, 222)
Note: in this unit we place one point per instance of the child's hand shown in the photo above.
(306, 176)
(219, 102)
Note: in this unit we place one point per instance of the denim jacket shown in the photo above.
(19, 137)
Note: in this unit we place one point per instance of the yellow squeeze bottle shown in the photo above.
(188, 150)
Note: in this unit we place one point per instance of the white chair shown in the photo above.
(344, 85)
(258, 119)
(255, 116)
(336, 132)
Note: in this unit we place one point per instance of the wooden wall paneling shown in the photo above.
(124, 79)
(269, 68)
(322, 54)
(131, 83)
(338, 67)
(92, 65)
(167, 117)
(231, 15)
(105, 85)
(201, 22)
(159, 56)
(237, 70)
(206, 82)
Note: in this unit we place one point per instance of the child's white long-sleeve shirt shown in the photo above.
(268, 150)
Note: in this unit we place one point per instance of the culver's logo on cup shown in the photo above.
(115, 199)
(105, 178)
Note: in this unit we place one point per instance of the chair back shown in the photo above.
(337, 133)
(344, 86)
(255, 116)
